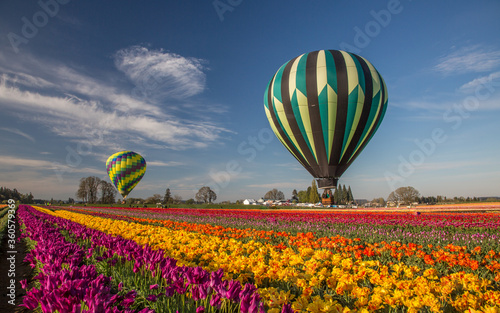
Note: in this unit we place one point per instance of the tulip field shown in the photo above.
(90, 259)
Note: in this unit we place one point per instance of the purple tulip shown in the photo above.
(255, 303)
(200, 309)
(216, 278)
(233, 292)
(287, 308)
(152, 298)
(216, 301)
(245, 303)
(30, 302)
(195, 292)
(155, 286)
(169, 291)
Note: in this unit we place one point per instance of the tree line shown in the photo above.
(92, 189)
(341, 195)
(409, 195)
(6, 194)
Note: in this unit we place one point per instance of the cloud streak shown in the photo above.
(18, 132)
(467, 60)
(71, 103)
(163, 74)
(161, 163)
(72, 118)
(14, 161)
(489, 81)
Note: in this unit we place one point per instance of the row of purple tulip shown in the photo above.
(65, 282)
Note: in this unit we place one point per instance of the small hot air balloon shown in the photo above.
(125, 169)
(324, 107)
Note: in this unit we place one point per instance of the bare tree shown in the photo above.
(178, 199)
(379, 201)
(206, 195)
(82, 192)
(88, 189)
(108, 192)
(93, 183)
(274, 194)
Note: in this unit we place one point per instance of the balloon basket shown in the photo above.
(327, 201)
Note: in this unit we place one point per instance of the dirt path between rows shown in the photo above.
(13, 268)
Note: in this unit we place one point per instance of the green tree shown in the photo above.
(168, 197)
(206, 195)
(313, 194)
(27, 198)
(336, 196)
(345, 196)
(155, 199)
(303, 196)
(404, 195)
(350, 198)
(340, 195)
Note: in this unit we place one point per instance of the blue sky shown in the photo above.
(182, 83)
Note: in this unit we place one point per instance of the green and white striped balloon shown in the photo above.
(324, 107)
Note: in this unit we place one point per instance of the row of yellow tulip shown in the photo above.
(326, 282)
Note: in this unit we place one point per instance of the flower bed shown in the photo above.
(317, 273)
(136, 278)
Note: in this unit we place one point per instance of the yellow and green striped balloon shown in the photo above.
(125, 169)
(324, 107)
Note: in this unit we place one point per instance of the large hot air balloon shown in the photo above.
(324, 107)
(125, 169)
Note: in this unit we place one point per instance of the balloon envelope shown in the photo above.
(125, 169)
(324, 107)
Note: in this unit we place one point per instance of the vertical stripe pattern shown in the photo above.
(324, 107)
(125, 169)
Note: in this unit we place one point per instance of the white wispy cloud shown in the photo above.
(162, 73)
(71, 103)
(284, 184)
(15, 161)
(26, 80)
(420, 105)
(18, 132)
(434, 110)
(469, 59)
(490, 82)
(73, 118)
(161, 163)
(73, 82)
